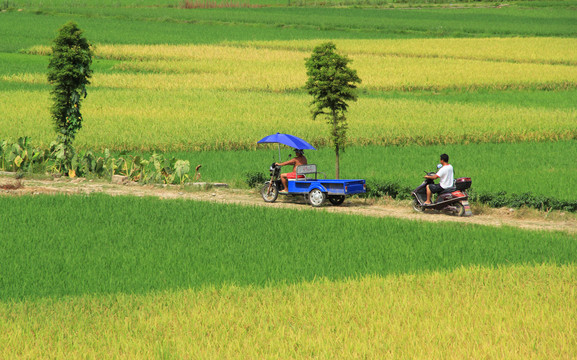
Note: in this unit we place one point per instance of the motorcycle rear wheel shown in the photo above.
(459, 209)
(417, 207)
(269, 196)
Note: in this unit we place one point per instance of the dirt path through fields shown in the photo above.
(490, 217)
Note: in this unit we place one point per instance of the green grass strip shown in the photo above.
(61, 245)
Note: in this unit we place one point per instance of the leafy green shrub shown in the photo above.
(255, 178)
(502, 199)
(376, 188)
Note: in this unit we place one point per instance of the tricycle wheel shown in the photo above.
(269, 192)
(317, 197)
(417, 206)
(336, 199)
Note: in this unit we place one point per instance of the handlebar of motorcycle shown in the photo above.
(275, 167)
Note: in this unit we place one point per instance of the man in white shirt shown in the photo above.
(445, 176)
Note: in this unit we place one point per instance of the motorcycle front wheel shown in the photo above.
(417, 207)
(269, 195)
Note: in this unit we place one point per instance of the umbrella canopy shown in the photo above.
(288, 140)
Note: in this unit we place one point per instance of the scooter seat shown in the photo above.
(448, 190)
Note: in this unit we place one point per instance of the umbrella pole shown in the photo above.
(279, 160)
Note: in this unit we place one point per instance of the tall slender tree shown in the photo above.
(69, 73)
(331, 83)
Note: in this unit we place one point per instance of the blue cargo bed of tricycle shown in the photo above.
(317, 190)
(328, 186)
(307, 183)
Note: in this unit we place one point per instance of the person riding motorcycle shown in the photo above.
(445, 176)
(299, 159)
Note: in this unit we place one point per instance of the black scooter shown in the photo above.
(454, 200)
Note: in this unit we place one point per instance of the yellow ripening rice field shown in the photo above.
(539, 50)
(210, 119)
(382, 65)
(230, 95)
(518, 312)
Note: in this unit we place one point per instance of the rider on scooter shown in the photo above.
(445, 174)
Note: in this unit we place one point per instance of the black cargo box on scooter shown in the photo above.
(463, 183)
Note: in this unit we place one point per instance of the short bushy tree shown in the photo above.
(69, 73)
(331, 83)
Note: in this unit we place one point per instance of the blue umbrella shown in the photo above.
(286, 139)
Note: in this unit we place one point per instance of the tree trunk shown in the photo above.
(336, 141)
(337, 161)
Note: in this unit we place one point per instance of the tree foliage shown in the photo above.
(331, 83)
(69, 73)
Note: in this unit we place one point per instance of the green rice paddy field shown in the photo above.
(121, 277)
(93, 275)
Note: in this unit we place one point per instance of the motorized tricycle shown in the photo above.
(454, 200)
(307, 184)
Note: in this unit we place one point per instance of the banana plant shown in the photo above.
(181, 170)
